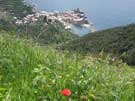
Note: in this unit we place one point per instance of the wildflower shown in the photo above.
(66, 92)
(53, 82)
(83, 98)
(93, 96)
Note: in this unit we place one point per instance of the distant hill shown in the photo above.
(119, 41)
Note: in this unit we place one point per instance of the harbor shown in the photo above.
(67, 19)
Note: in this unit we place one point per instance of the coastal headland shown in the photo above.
(67, 19)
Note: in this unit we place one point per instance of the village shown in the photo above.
(67, 18)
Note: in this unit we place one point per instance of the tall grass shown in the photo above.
(29, 72)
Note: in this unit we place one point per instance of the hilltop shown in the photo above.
(118, 41)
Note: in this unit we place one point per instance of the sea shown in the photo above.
(103, 14)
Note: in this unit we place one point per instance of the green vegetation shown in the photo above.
(118, 41)
(15, 7)
(39, 31)
(31, 72)
(46, 34)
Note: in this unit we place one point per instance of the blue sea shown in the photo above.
(102, 13)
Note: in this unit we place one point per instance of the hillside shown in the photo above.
(31, 72)
(39, 31)
(16, 8)
(31, 69)
(118, 41)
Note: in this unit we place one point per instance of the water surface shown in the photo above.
(103, 13)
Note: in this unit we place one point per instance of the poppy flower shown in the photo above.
(66, 92)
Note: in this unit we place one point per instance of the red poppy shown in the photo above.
(66, 92)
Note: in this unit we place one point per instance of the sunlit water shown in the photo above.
(102, 13)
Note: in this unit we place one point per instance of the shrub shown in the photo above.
(31, 72)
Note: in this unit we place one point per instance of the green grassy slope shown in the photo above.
(119, 41)
(29, 72)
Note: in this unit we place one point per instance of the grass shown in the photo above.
(29, 72)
